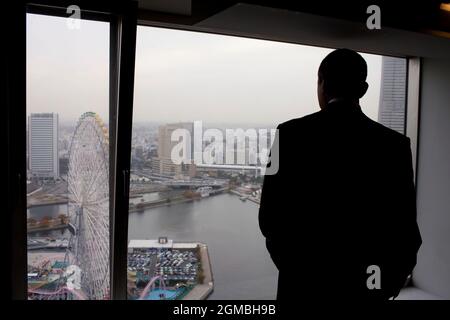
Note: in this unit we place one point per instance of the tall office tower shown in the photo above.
(43, 145)
(392, 108)
(165, 145)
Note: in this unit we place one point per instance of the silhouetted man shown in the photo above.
(342, 203)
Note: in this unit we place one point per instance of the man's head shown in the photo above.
(342, 74)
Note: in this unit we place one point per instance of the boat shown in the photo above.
(204, 191)
(243, 198)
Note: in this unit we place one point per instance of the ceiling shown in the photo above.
(425, 16)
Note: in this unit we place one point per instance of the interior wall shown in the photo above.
(432, 272)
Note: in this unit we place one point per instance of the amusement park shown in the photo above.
(79, 269)
(75, 265)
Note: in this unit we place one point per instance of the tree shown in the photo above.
(45, 221)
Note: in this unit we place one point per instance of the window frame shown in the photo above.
(123, 19)
(412, 112)
(412, 77)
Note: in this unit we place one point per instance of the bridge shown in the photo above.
(178, 183)
(35, 229)
(45, 243)
(194, 183)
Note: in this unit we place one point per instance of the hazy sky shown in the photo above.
(180, 75)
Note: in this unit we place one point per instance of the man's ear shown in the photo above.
(363, 89)
(324, 85)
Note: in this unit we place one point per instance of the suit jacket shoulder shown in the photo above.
(298, 122)
(387, 134)
(312, 120)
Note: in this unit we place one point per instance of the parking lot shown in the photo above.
(171, 264)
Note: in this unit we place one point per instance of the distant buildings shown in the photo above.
(43, 133)
(393, 93)
(64, 165)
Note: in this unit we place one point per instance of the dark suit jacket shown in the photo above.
(342, 200)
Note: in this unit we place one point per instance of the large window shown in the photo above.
(68, 173)
(193, 228)
(205, 111)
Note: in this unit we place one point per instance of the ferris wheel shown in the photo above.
(88, 204)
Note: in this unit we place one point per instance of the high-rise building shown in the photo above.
(391, 112)
(43, 145)
(165, 145)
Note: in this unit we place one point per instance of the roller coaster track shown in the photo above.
(151, 285)
(62, 290)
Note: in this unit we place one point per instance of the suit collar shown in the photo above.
(342, 106)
